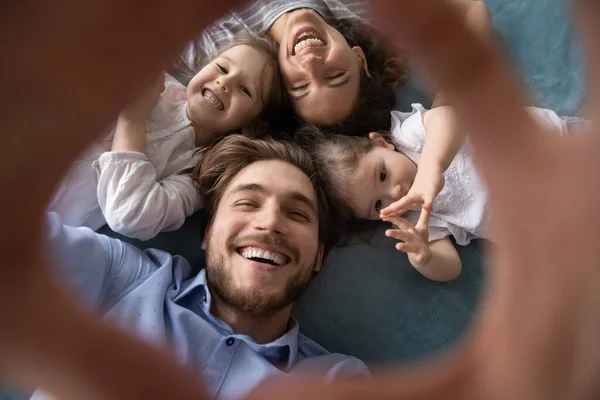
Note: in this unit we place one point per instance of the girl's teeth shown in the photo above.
(212, 99)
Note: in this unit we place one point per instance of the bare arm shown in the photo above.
(130, 133)
(444, 263)
(442, 140)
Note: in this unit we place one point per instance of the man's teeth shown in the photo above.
(308, 41)
(276, 258)
(212, 99)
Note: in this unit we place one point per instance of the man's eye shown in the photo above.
(221, 68)
(383, 175)
(245, 204)
(298, 215)
(378, 205)
(245, 90)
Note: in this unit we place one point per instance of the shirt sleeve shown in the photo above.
(408, 130)
(94, 268)
(135, 203)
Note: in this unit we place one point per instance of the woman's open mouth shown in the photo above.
(307, 38)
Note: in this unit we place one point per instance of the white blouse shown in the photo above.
(136, 194)
(461, 208)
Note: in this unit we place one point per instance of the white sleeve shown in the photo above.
(408, 131)
(135, 203)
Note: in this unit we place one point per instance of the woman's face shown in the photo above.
(320, 70)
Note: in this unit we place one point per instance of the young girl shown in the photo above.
(137, 180)
(366, 175)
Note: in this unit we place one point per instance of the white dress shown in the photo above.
(136, 194)
(461, 209)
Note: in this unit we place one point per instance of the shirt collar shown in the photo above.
(282, 352)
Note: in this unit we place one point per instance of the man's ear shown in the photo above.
(319, 261)
(257, 128)
(363, 59)
(380, 141)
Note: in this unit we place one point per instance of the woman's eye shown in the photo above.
(299, 87)
(383, 175)
(221, 68)
(245, 91)
(378, 205)
(336, 76)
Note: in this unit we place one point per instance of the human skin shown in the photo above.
(536, 333)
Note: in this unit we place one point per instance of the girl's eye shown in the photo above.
(383, 175)
(378, 205)
(245, 90)
(336, 76)
(221, 68)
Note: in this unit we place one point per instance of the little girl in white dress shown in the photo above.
(366, 175)
(137, 179)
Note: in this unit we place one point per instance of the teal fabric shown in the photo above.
(368, 301)
(538, 37)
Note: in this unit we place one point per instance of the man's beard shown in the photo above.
(257, 302)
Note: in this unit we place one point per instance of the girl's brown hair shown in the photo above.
(337, 158)
(276, 98)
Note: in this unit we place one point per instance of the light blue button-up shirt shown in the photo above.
(154, 295)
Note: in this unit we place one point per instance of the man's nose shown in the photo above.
(270, 219)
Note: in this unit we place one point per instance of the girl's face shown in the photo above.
(231, 91)
(383, 176)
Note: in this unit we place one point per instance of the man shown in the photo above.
(537, 333)
(231, 324)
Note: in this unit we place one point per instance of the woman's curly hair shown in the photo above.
(387, 68)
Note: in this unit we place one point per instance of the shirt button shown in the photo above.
(230, 341)
(204, 298)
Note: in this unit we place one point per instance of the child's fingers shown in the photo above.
(411, 248)
(401, 223)
(398, 234)
(401, 206)
(423, 223)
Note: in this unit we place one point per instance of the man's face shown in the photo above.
(262, 246)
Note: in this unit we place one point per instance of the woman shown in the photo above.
(343, 74)
(337, 69)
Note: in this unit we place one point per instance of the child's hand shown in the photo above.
(427, 185)
(414, 240)
(141, 108)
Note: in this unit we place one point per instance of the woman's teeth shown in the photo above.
(304, 42)
(214, 100)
